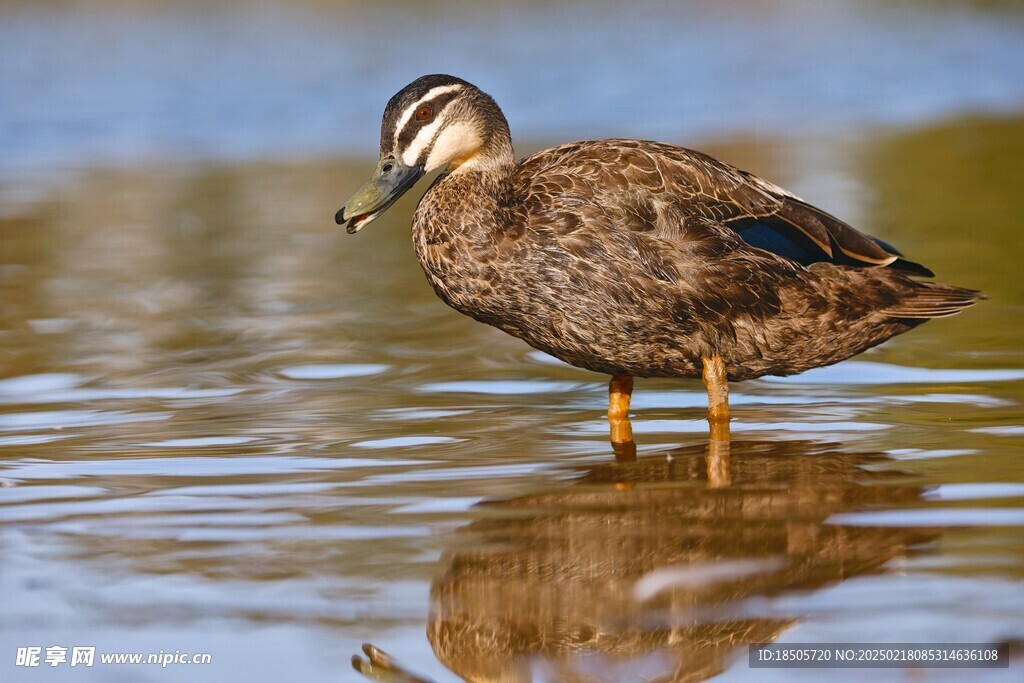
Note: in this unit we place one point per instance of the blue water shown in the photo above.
(223, 80)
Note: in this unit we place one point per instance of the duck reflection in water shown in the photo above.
(651, 569)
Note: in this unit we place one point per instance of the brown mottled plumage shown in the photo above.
(635, 258)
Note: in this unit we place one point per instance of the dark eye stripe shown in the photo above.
(412, 126)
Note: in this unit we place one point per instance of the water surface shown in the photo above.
(228, 427)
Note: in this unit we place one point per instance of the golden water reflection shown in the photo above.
(654, 570)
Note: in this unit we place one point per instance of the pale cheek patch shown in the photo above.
(419, 143)
(457, 142)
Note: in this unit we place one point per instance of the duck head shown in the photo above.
(435, 122)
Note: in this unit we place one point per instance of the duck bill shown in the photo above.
(390, 180)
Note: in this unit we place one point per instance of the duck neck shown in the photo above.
(496, 158)
(483, 187)
(483, 181)
(459, 227)
(475, 201)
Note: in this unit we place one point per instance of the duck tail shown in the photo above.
(933, 300)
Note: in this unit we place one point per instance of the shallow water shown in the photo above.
(123, 81)
(226, 426)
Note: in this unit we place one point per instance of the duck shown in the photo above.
(636, 258)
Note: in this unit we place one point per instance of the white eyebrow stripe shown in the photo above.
(422, 139)
(433, 92)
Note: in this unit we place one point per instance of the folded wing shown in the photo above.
(640, 183)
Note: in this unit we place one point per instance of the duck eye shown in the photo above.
(423, 113)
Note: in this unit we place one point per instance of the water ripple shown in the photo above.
(333, 371)
(864, 372)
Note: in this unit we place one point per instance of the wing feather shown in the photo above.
(648, 181)
(933, 300)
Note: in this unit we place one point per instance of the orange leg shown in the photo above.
(717, 384)
(620, 389)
